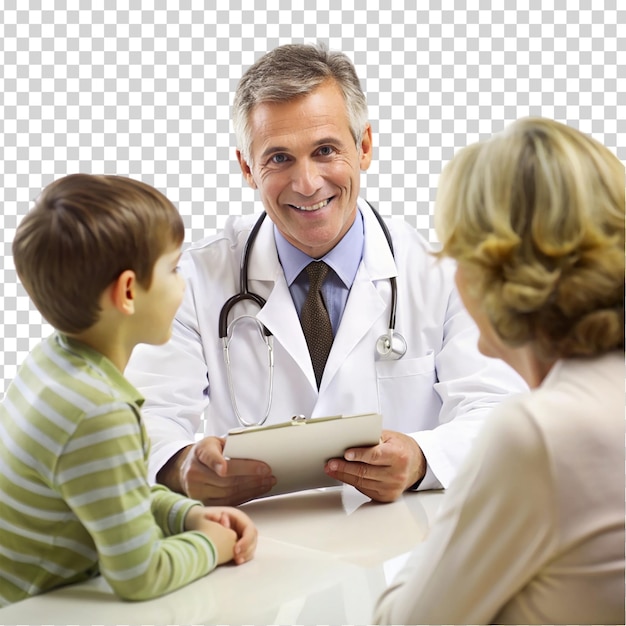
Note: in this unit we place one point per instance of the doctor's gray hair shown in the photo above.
(292, 71)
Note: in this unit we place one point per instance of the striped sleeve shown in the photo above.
(170, 509)
(102, 476)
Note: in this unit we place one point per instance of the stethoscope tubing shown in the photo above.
(389, 346)
(246, 294)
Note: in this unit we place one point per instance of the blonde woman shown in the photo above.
(532, 531)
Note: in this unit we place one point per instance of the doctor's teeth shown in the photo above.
(313, 207)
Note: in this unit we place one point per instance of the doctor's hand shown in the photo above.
(200, 471)
(384, 471)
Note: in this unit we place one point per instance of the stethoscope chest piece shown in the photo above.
(391, 346)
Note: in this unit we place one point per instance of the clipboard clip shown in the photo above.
(299, 419)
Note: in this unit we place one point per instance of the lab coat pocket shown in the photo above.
(406, 396)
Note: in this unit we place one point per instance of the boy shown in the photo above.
(98, 256)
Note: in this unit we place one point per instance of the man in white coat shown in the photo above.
(303, 139)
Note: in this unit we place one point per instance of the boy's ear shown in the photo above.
(123, 292)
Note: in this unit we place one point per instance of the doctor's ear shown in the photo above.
(246, 170)
(123, 292)
(366, 148)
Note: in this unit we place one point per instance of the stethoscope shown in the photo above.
(389, 347)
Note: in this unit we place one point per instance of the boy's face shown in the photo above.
(156, 307)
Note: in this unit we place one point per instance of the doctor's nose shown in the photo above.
(306, 179)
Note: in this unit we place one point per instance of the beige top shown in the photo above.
(532, 530)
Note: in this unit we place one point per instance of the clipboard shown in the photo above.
(297, 450)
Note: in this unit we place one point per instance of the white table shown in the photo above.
(323, 557)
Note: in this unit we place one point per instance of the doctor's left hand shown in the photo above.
(384, 471)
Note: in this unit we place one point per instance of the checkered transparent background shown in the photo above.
(136, 88)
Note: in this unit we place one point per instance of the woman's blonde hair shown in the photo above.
(536, 215)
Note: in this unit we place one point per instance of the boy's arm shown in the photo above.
(176, 514)
(214, 519)
(102, 476)
(170, 509)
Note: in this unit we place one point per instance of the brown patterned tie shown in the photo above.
(315, 321)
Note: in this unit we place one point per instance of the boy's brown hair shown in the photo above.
(82, 233)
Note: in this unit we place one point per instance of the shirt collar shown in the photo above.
(101, 364)
(344, 258)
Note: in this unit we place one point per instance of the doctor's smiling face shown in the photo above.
(306, 166)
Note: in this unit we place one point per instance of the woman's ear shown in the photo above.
(123, 292)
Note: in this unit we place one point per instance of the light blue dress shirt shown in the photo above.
(344, 259)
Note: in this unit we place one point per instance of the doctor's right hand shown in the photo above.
(200, 471)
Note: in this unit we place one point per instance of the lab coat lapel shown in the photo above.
(279, 314)
(363, 308)
(369, 299)
(280, 317)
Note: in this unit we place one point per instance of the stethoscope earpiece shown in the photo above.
(391, 346)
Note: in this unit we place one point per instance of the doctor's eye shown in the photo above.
(326, 151)
(279, 158)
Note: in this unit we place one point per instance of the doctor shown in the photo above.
(303, 138)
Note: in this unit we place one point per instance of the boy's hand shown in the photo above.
(224, 539)
(234, 521)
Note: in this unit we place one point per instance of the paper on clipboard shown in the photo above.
(297, 450)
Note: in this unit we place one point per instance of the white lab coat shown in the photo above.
(439, 392)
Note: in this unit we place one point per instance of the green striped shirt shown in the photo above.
(74, 494)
